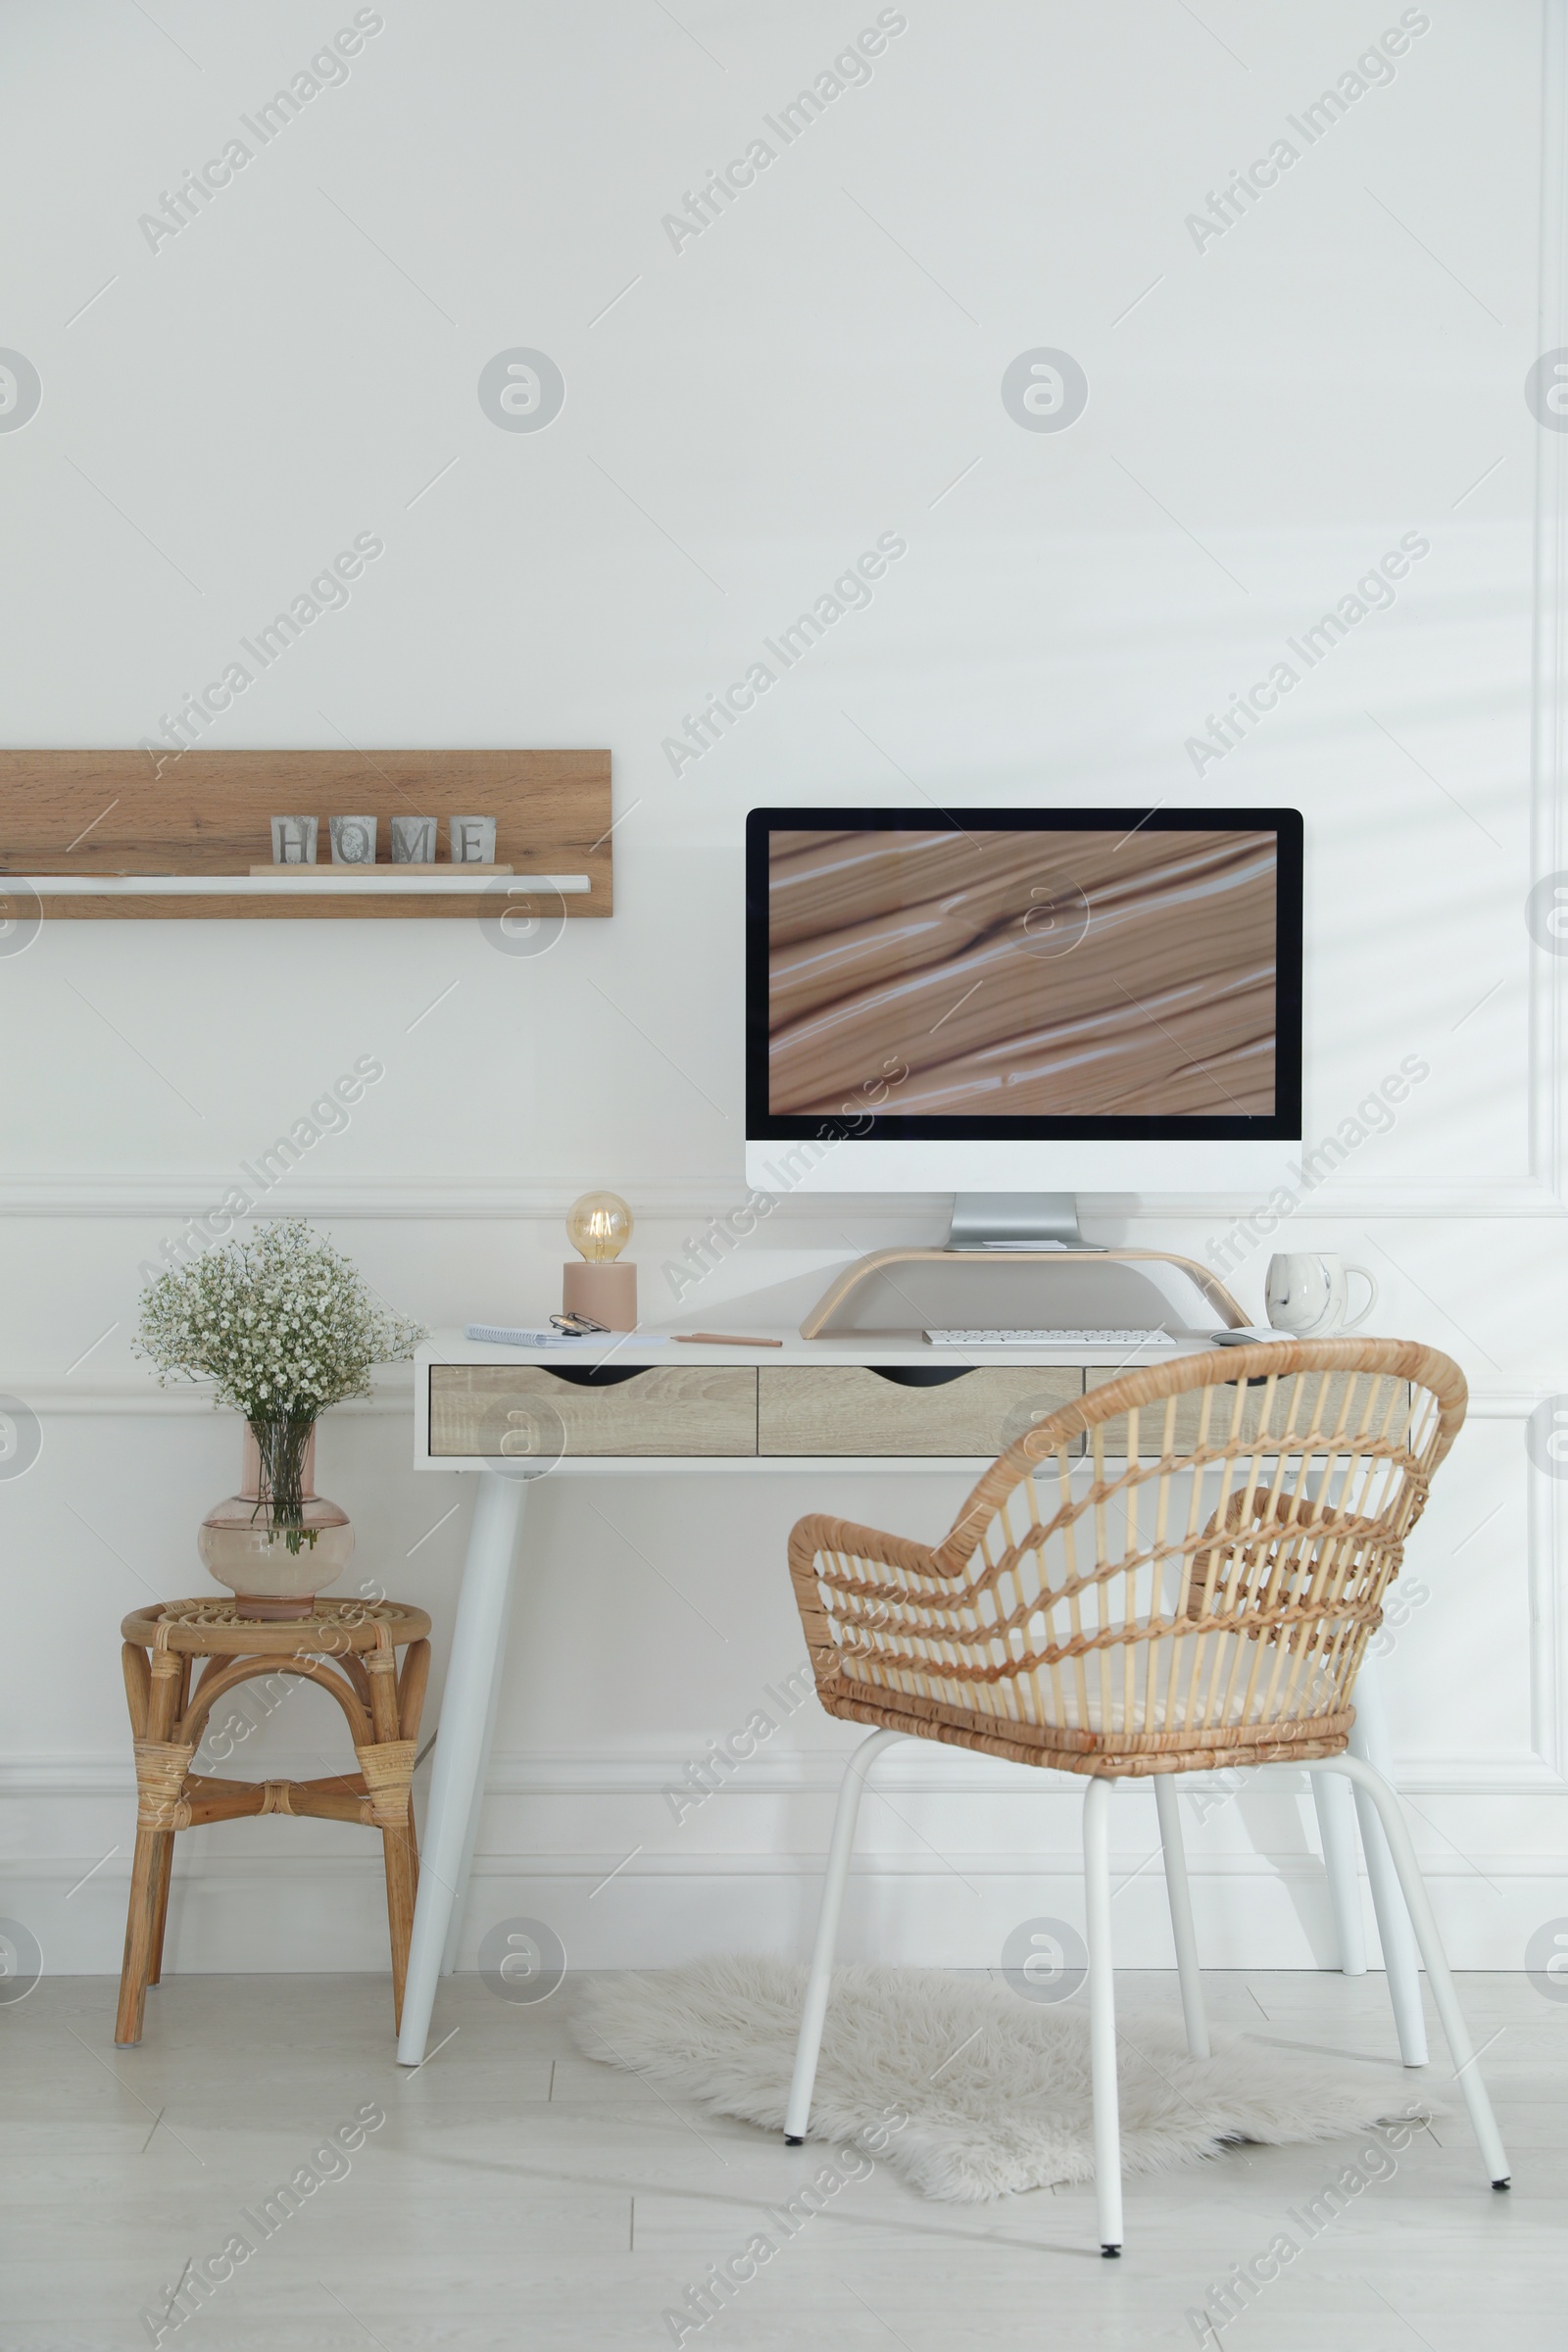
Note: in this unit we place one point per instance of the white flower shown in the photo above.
(284, 1306)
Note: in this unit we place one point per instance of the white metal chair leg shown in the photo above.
(1370, 1742)
(1168, 1806)
(1380, 1794)
(813, 2013)
(1335, 1821)
(1103, 2015)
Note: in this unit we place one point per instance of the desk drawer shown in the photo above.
(1188, 1409)
(851, 1409)
(530, 1410)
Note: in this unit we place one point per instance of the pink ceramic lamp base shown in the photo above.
(607, 1292)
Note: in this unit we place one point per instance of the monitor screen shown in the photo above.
(1095, 973)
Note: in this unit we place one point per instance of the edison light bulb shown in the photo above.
(599, 1225)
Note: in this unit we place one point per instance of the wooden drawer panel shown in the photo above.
(849, 1409)
(529, 1410)
(1151, 1417)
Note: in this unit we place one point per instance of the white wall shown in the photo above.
(1267, 415)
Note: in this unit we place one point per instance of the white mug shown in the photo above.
(1309, 1295)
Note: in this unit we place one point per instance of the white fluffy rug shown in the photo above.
(995, 2088)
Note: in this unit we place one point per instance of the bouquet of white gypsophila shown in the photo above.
(284, 1326)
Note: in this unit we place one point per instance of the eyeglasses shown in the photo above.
(578, 1327)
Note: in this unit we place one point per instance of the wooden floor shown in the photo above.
(519, 2196)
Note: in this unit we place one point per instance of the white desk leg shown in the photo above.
(459, 1899)
(1335, 1821)
(1371, 1743)
(482, 1600)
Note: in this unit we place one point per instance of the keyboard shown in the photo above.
(1051, 1339)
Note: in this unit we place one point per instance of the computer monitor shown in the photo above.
(1006, 1003)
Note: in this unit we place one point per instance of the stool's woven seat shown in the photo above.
(350, 1648)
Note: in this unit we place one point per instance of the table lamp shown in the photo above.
(600, 1225)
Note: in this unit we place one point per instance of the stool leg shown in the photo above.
(397, 1843)
(397, 1849)
(413, 1865)
(164, 1871)
(142, 1911)
(166, 1855)
(402, 1852)
(411, 1703)
(139, 1918)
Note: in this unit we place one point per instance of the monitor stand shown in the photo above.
(1017, 1221)
(1014, 1260)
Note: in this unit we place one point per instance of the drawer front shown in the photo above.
(850, 1410)
(1152, 1418)
(528, 1411)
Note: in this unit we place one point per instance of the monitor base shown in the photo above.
(903, 1292)
(1017, 1221)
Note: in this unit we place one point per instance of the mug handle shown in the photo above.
(1354, 1322)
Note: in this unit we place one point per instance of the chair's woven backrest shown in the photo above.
(1186, 1562)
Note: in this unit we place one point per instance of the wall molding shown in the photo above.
(182, 1193)
(138, 1400)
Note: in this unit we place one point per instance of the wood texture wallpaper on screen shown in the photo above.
(1049, 974)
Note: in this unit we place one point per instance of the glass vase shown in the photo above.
(277, 1555)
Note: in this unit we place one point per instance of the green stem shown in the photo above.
(282, 1444)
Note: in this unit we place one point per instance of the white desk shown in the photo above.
(510, 1415)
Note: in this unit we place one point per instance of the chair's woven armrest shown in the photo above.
(817, 1534)
(844, 1557)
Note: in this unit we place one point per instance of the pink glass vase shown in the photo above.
(274, 1563)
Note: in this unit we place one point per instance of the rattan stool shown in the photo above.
(167, 1718)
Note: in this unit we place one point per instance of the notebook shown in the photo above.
(522, 1335)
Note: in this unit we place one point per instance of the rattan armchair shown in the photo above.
(1178, 1572)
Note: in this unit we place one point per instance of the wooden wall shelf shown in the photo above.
(77, 817)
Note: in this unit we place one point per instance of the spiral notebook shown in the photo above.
(522, 1334)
